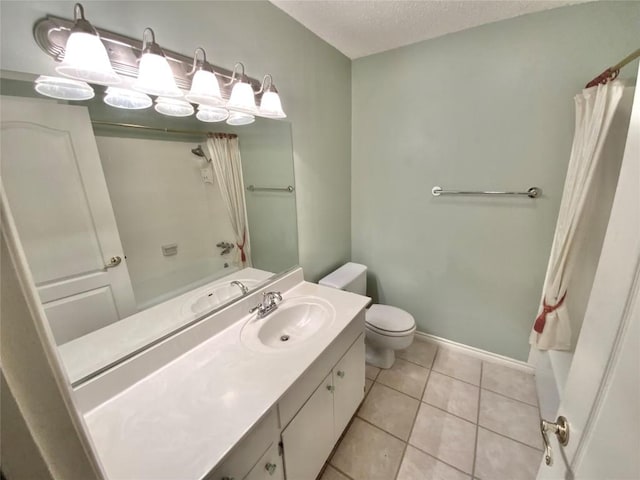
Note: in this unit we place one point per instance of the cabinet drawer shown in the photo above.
(247, 452)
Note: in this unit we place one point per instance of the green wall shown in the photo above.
(312, 77)
(486, 108)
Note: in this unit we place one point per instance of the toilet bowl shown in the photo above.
(387, 328)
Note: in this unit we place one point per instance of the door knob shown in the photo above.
(560, 428)
(113, 262)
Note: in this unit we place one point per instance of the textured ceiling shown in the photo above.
(359, 27)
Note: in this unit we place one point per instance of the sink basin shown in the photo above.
(208, 298)
(295, 321)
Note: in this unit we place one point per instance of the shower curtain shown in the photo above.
(225, 158)
(595, 107)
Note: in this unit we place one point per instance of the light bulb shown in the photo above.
(242, 99)
(154, 73)
(85, 57)
(205, 89)
(270, 105)
(155, 77)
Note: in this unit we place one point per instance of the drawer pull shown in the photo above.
(227, 478)
(341, 373)
(271, 468)
(331, 388)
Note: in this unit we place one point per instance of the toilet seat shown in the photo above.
(389, 321)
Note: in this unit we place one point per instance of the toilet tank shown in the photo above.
(351, 277)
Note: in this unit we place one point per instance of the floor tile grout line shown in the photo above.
(509, 438)
(455, 378)
(439, 459)
(448, 412)
(415, 417)
(419, 399)
(478, 420)
(416, 363)
(475, 443)
(510, 398)
(340, 471)
(381, 429)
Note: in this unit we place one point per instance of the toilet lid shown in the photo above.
(389, 319)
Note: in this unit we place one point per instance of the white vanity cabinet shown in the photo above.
(309, 438)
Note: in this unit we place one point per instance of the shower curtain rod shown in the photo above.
(612, 73)
(155, 129)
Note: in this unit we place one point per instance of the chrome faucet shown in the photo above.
(268, 304)
(225, 246)
(241, 285)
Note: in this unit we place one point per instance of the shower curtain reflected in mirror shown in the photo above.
(225, 158)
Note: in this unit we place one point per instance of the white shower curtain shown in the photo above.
(595, 107)
(227, 165)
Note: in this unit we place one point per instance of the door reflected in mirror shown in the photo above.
(132, 233)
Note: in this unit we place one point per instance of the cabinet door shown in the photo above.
(246, 453)
(269, 467)
(348, 380)
(309, 439)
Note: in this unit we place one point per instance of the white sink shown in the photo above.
(206, 299)
(295, 322)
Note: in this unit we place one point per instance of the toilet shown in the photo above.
(387, 328)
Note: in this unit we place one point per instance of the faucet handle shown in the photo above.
(257, 307)
(271, 296)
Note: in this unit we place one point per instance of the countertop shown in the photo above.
(183, 419)
(100, 348)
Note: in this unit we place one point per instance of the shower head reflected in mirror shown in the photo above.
(199, 152)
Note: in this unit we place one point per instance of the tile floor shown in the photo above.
(439, 414)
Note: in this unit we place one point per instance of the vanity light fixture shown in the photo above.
(127, 99)
(63, 88)
(142, 69)
(237, 118)
(242, 97)
(212, 114)
(173, 107)
(270, 104)
(85, 57)
(154, 73)
(205, 89)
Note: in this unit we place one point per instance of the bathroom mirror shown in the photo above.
(179, 248)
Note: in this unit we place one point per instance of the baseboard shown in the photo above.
(475, 352)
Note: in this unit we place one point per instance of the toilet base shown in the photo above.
(380, 357)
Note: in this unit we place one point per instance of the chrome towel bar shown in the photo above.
(533, 192)
(253, 188)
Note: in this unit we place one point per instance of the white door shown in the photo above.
(56, 190)
(601, 399)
